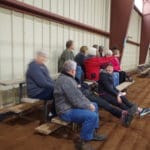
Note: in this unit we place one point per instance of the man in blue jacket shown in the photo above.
(39, 83)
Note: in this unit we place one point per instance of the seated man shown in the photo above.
(108, 91)
(72, 106)
(39, 84)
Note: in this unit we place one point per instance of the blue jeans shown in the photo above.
(88, 119)
(116, 78)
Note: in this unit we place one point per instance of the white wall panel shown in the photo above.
(61, 8)
(54, 6)
(27, 34)
(17, 37)
(130, 57)
(66, 6)
(28, 40)
(53, 48)
(38, 33)
(92, 12)
(38, 3)
(28, 1)
(5, 44)
(46, 5)
(134, 27)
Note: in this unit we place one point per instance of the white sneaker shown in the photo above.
(144, 112)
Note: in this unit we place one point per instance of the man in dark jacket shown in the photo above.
(73, 106)
(108, 91)
(39, 83)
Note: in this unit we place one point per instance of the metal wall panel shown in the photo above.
(92, 12)
(5, 44)
(134, 27)
(130, 58)
(29, 34)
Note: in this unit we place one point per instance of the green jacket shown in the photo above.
(66, 55)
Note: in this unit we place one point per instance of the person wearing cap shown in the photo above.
(72, 106)
(39, 83)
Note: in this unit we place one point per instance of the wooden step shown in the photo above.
(124, 85)
(47, 128)
(29, 100)
(19, 108)
(145, 71)
(57, 120)
(4, 110)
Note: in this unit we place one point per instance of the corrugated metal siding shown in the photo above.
(130, 58)
(92, 12)
(23, 35)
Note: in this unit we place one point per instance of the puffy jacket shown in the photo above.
(68, 95)
(93, 66)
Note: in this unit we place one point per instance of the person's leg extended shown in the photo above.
(126, 102)
(113, 100)
(102, 103)
(87, 118)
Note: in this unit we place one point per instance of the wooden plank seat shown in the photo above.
(124, 85)
(146, 71)
(47, 128)
(89, 82)
(27, 103)
(143, 69)
(56, 123)
(4, 110)
(12, 82)
(57, 120)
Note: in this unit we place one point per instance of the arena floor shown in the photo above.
(19, 134)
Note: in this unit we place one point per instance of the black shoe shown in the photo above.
(128, 120)
(80, 145)
(99, 137)
(144, 112)
(133, 110)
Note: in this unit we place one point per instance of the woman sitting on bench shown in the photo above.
(108, 91)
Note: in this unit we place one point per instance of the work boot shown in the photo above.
(82, 145)
(97, 137)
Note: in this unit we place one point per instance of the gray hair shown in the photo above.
(42, 52)
(69, 65)
(108, 53)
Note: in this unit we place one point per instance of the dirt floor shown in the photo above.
(19, 134)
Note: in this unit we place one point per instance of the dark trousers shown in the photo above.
(122, 76)
(47, 95)
(102, 103)
(125, 105)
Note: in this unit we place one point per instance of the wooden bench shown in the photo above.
(48, 128)
(24, 103)
(27, 103)
(124, 85)
(143, 69)
(146, 72)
